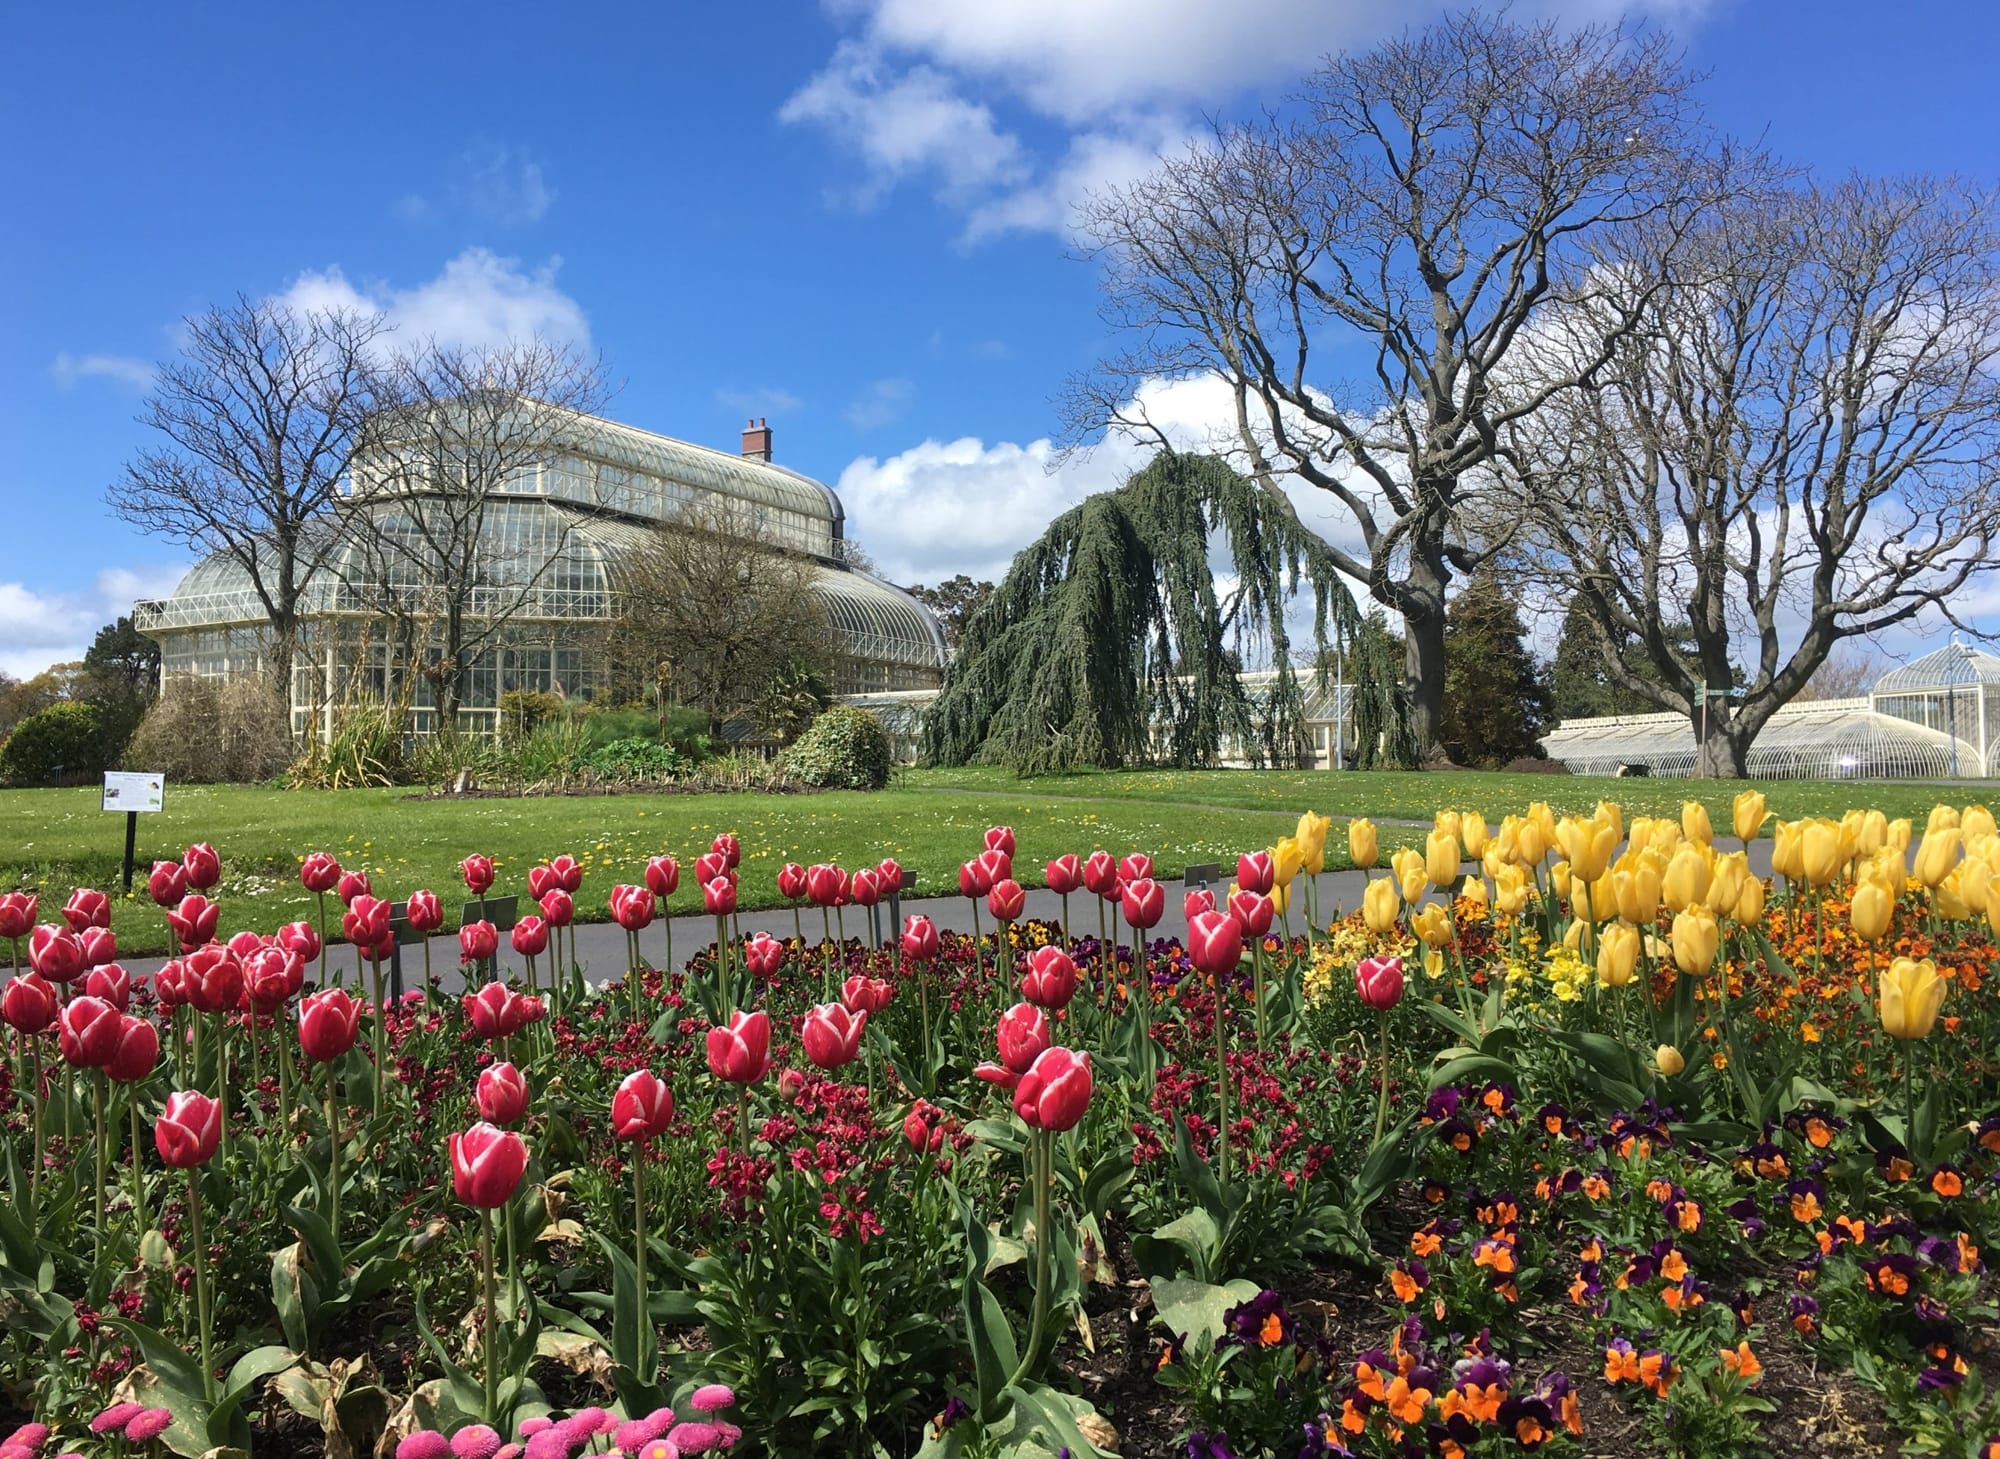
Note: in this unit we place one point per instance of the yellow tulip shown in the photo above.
(1637, 890)
(1608, 814)
(1617, 955)
(1380, 905)
(1949, 901)
(1788, 855)
(1432, 924)
(1505, 843)
(1433, 963)
(1587, 845)
(1750, 905)
(1687, 879)
(1822, 852)
(1545, 819)
(1491, 861)
(1532, 840)
(1510, 890)
(1361, 843)
(1973, 876)
(1993, 904)
(1573, 935)
(1667, 1059)
(1870, 910)
(1725, 887)
(1695, 823)
(1446, 820)
(1472, 831)
(1441, 858)
(1560, 880)
(1899, 835)
(1409, 869)
(1911, 994)
(1696, 937)
(1281, 897)
(1287, 860)
(1596, 900)
(1942, 818)
(1936, 854)
(1746, 814)
(1473, 890)
(1311, 836)
(1871, 833)
(1977, 821)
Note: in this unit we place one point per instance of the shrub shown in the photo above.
(550, 753)
(637, 760)
(206, 731)
(523, 711)
(365, 748)
(64, 739)
(846, 748)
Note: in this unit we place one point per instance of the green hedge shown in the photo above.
(844, 749)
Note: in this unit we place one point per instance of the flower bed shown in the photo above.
(1575, 1137)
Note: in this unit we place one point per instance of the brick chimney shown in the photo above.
(756, 440)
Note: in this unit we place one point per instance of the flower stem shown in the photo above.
(491, 1332)
(1221, 1084)
(1382, 1092)
(333, 1154)
(138, 1168)
(203, 1313)
(644, 1316)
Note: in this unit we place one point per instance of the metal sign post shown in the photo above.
(907, 884)
(134, 792)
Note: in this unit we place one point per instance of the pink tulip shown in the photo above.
(1215, 942)
(487, 1165)
(478, 874)
(663, 876)
(1055, 1092)
(1065, 874)
(1144, 903)
(739, 1052)
(642, 1108)
(762, 954)
(832, 1035)
(864, 994)
(188, 1130)
(1379, 982)
(1050, 981)
(501, 1093)
(920, 938)
(1022, 1034)
(319, 873)
(204, 867)
(87, 907)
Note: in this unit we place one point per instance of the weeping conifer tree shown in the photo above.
(1107, 643)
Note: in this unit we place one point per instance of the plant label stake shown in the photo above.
(134, 792)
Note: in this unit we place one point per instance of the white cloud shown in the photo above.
(128, 370)
(479, 300)
(765, 400)
(38, 629)
(904, 124)
(498, 183)
(882, 402)
(914, 87)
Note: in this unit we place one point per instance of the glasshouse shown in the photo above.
(1935, 717)
(548, 547)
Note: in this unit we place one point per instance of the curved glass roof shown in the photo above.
(1950, 667)
(704, 467)
(1832, 739)
(879, 621)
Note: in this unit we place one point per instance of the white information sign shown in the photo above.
(134, 790)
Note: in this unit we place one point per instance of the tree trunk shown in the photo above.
(1723, 752)
(1420, 599)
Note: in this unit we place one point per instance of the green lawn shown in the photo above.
(930, 820)
(1395, 795)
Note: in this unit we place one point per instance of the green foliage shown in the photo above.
(1108, 644)
(797, 693)
(365, 748)
(637, 761)
(845, 749)
(63, 741)
(523, 711)
(1496, 701)
(1580, 684)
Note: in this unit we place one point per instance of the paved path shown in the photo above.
(600, 946)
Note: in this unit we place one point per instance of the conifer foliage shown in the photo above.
(1108, 642)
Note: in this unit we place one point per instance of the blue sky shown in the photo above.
(847, 218)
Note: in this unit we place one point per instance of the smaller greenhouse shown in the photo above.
(1955, 691)
(1827, 739)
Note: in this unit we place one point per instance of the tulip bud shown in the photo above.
(729, 848)
(1215, 942)
(477, 942)
(1870, 911)
(167, 885)
(352, 884)
(1311, 838)
(1909, 997)
(188, 1131)
(1055, 1091)
(1050, 981)
(1000, 838)
(329, 1024)
(111, 983)
(865, 887)
(1143, 903)
(1695, 824)
(204, 867)
(1379, 982)
(718, 897)
(1199, 900)
(478, 873)
(1380, 905)
(502, 1095)
(920, 938)
(1100, 874)
(1686, 880)
(87, 907)
(1361, 843)
(1668, 1060)
(643, 1106)
(826, 885)
(1412, 873)
(530, 936)
(763, 954)
(1255, 871)
(558, 907)
(29, 1004)
(136, 1051)
(87, 1032)
(319, 873)
(739, 1052)
(1065, 874)
(1695, 939)
(832, 1034)
(632, 907)
(1253, 910)
(487, 1165)
(1617, 955)
(1472, 831)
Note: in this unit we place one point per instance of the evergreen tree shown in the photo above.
(1582, 688)
(1108, 644)
(1496, 700)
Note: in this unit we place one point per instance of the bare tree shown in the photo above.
(1843, 676)
(260, 414)
(715, 614)
(450, 540)
(1798, 448)
(1362, 277)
